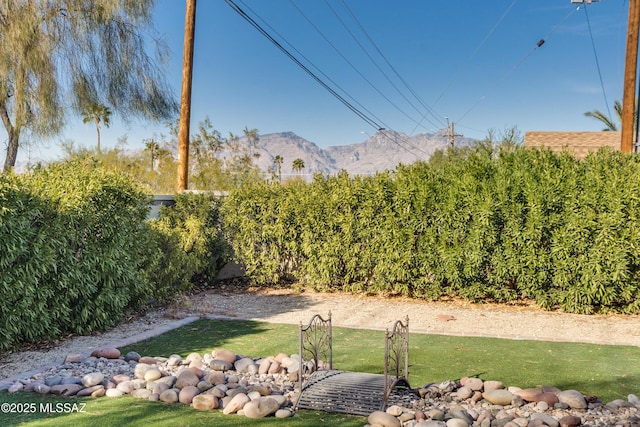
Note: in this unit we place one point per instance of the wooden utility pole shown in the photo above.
(451, 134)
(630, 70)
(182, 182)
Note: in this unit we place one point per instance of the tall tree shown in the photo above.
(97, 113)
(278, 160)
(85, 52)
(298, 165)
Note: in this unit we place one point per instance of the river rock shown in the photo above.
(474, 384)
(380, 418)
(88, 391)
(570, 421)
(204, 402)
(147, 360)
(260, 407)
(66, 389)
(141, 393)
(106, 352)
(220, 365)
(457, 422)
(493, 385)
(119, 378)
(169, 396)
(94, 378)
(573, 398)
(132, 356)
(125, 387)
(224, 355)
(186, 378)
(187, 394)
(242, 365)
(15, 387)
(498, 397)
(113, 392)
(283, 413)
(74, 358)
(235, 404)
(152, 374)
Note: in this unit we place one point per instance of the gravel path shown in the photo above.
(286, 306)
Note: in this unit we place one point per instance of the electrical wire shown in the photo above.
(595, 54)
(346, 94)
(539, 44)
(262, 31)
(475, 52)
(351, 64)
(373, 61)
(429, 110)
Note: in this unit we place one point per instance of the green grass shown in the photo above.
(609, 372)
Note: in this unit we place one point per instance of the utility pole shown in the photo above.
(451, 134)
(630, 74)
(182, 182)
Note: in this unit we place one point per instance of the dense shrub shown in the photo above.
(491, 223)
(190, 240)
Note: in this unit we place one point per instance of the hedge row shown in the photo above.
(77, 253)
(496, 224)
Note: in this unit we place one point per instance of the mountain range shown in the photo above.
(382, 151)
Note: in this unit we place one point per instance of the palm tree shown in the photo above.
(610, 125)
(97, 113)
(298, 165)
(278, 161)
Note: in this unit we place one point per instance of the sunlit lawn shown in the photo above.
(609, 372)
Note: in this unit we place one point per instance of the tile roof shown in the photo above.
(577, 143)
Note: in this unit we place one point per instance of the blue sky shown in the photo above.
(475, 62)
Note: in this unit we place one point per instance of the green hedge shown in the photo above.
(77, 252)
(489, 224)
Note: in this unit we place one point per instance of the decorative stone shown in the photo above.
(94, 378)
(260, 407)
(220, 365)
(106, 352)
(169, 396)
(187, 394)
(394, 410)
(237, 402)
(186, 378)
(204, 402)
(15, 387)
(283, 413)
(152, 374)
(141, 369)
(66, 389)
(113, 392)
(132, 356)
(474, 384)
(148, 360)
(119, 378)
(224, 355)
(493, 385)
(74, 358)
(457, 422)
(141, 393)
(570, 421)
(380, 418)
(573, 398)
(88, 391)
(498, 397)
(216, 378)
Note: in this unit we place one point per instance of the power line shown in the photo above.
(262, 31)
(351, 64)
(429, 110)
(539, 44)
(595, 54)
(371, 58)
(346, 94)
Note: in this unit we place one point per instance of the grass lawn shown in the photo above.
(609, 372)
